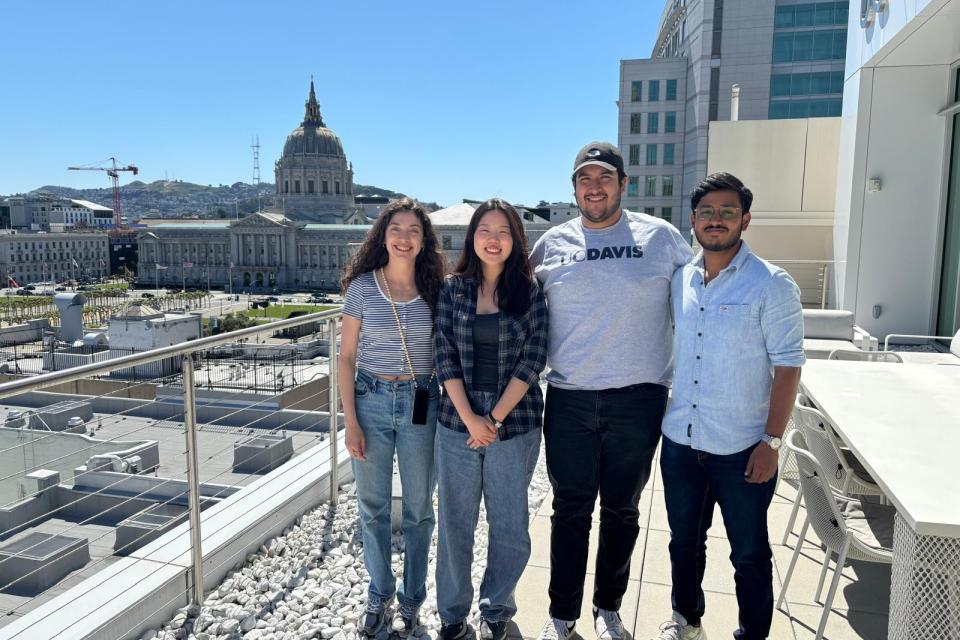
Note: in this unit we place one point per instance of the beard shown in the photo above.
(719, 244)
(603, 216)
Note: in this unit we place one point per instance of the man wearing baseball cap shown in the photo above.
(606, 276)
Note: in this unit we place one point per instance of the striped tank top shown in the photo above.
(380, 350)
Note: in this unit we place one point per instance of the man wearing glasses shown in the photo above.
(738, 349)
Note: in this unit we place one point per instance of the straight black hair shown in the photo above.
(513, 285)
(721, 182)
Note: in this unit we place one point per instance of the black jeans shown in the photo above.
(693, 481)
(597, 442)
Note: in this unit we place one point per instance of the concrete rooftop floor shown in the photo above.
(859, 609)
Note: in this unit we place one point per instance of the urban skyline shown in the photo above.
(432, 100)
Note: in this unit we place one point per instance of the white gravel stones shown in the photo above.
(310, 581)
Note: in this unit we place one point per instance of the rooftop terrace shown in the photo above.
(153, 587)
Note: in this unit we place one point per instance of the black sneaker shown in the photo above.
(373, 617)
(490, 630)
(406, 620)
(455, 631)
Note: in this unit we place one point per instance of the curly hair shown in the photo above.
(429, 266)
(513, 284)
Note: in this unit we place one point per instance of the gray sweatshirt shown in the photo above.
(608, 291)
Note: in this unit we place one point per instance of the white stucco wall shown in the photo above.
(887, 242)
(790, 165)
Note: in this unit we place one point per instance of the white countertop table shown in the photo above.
(902, 421)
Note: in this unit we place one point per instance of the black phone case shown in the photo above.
(421, 397)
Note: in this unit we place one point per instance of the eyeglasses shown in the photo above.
(705, 212)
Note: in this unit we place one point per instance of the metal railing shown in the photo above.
(188, 354)
(813, 278)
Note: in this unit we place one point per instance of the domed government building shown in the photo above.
(314, 181)
(303, 241)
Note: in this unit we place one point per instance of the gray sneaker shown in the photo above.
(678, 629)
(557, 629)
(607, 624)
(373, 617)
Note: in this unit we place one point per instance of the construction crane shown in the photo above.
(114, 172)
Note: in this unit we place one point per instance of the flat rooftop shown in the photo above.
(215, 457)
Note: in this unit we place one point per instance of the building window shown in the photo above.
(670, 122)
(809, 15)
(668, 153)
(635, 120)
(648, 211)
(713, 109)
(716, 44)
(780, 85)
(650, 186)
(310, 188)
(286, 186)
(822, 45)
(296, 186)
(634, 154)
(636, 91)
(818, 108)
(802, 84)
(633, 185)
(671, 89)
(653, 91)
(666, 213)
(803, 46)
(653, 122)
(651, 155)
(782, 47)
(667, 189)
(336, 187)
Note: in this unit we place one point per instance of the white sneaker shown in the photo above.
(607, 624)
(678, 629)
(557, 629)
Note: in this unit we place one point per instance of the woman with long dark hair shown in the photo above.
(390, 397)
(491, 345)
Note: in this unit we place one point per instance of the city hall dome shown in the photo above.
(314, 181)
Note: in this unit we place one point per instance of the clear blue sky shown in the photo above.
(440, 100)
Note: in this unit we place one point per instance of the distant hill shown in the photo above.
(176, 198)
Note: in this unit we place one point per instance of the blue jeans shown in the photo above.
(693, 482)
(499, 473)
(384, 411)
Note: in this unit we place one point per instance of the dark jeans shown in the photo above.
(693, 481)
(597, 442)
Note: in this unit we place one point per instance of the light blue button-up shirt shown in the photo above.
(728, 336)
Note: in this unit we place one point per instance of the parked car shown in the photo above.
(147, 294)
(58, 289)
(24, 292)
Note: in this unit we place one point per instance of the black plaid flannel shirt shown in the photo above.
(523, 353)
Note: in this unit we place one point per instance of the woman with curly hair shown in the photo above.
(491, 342)
(390, 396)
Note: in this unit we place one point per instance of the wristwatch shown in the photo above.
(496, 423)
(772, 441)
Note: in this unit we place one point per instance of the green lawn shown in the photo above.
(283, 311)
